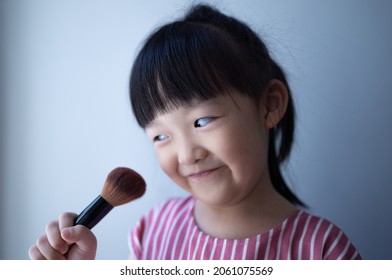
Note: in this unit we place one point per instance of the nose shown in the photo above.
(189, 152)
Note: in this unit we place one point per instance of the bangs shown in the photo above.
(184, 62)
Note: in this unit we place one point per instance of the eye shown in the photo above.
(159, 138)
(203, 121)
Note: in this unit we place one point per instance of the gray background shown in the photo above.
(66, 120)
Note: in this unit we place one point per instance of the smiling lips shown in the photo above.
(202, 174)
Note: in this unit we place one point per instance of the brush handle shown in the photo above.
(93, 213)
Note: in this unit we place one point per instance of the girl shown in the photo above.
(219, 113)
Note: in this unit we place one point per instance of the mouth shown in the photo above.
(203, 174)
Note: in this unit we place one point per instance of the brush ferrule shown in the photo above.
(93, 213)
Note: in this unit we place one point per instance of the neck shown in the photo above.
(260, 211)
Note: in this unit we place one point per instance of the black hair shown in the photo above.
(201, 56)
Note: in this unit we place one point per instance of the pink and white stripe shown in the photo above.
(169, 231)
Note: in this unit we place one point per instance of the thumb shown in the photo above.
(83, 240)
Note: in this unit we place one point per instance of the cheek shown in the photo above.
(170, 166)
(167, 162)
(246, 149)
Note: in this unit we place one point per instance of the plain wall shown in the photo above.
(66, 119)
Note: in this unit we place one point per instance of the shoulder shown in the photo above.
(319, 238)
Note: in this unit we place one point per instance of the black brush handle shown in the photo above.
(93, 213)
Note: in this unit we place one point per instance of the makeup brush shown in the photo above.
(122, 185)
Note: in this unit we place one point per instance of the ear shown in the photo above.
(275, 99)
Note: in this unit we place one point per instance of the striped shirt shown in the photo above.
(169, 232)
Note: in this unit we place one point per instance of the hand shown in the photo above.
(64, 241)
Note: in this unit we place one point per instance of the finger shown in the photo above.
(35, 254)
(66, 220)
(54, 237)
(85, 242)
(47, 251)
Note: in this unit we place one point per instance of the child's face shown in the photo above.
(216, 149)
